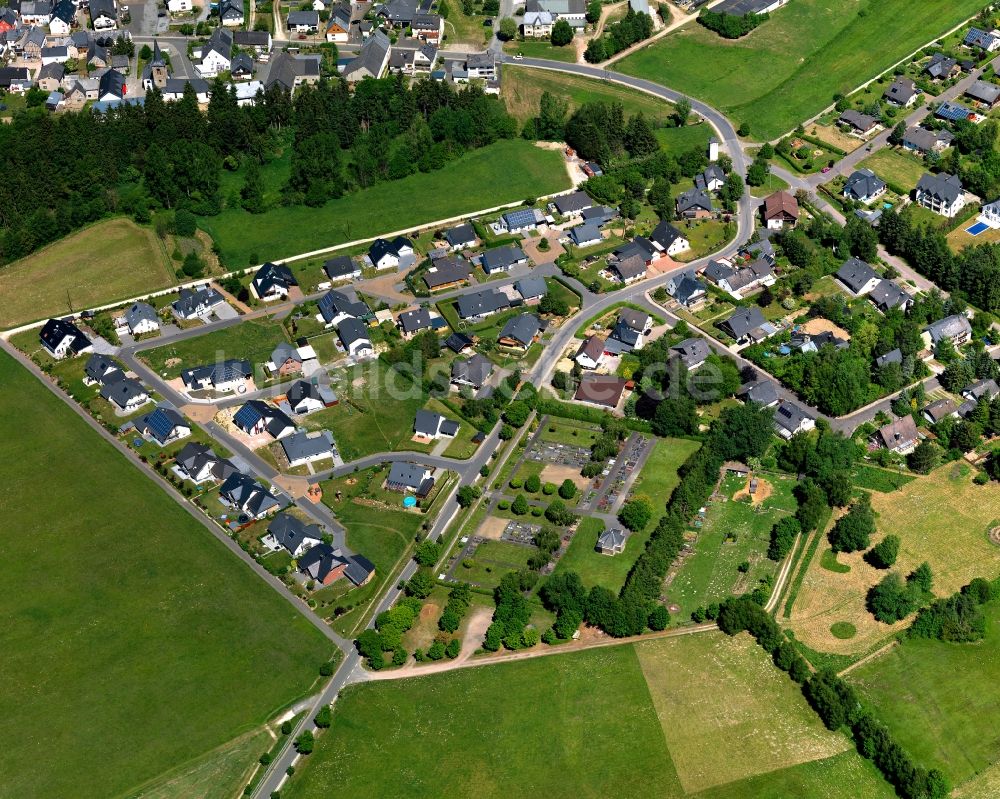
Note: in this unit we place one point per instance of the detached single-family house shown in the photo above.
(353, 335)
(231, 13)
(669, 239)
(762, 392)
(196, 304)
(409, 477)
(338, 26)
(864, 186)
(747, 326)
(893, 356)
(694, 204)
(216, 54)
(591, 353)
(611, 542)
(603, 390)
(430, 426)
(242, 492)
(104, 14)
(241, 67)
(126, 393)
(941, 67)
(899, 436)
(342, 267)
(985, 389)
(461, 237)
(503, 259)
(325, 565)
(740, 282)
(256, 417)
(531, 289)
(398, 13)
(446, 273)
(538, 24)
(258, 42)
(954, 328)
(901, 93)
(940, 409)
(473, 371)
(573, 204)
(303, 21)
(693, 352)
(858, 122)
(305, 397)
(780, 210)
(429, 27)
(520, 331)
(790, 419)
(481, 304)
(294, 535)
(199, 464)
(414, 321)
(922, 140)
(394, 254)
(586, 235)
(285, 360)
(887, 296)
(687, 290)
(112, 86)
(984, 93)
(335, 307)
(522, 220)
(289, 72)
(303, 448)
(224, 377)
(858, 277)
(711, 179)
(163, 425)
(62, 18)
(629, 269)
(371, 60)
(101, 369)
(54, 55)
(272, 282)
(987, 41)
(63, 339)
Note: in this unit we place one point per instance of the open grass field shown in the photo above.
(709, 574)
(569, 431)
(940, 700)
(112, 260)
(658, 477)
(522, 91)
(481, 179)
(517, 728)
(942, 518)
(123, 616)
(492, 560)
(895, 168)
(676, 140)
(593, 567)
(789, 68)
(253, 340)
(375, 413)
(541, 49)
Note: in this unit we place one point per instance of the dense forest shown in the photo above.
(63, 172)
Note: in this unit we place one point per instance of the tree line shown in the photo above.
(730, 26)
(618, 36)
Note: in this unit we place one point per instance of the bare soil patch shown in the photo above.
(764, 490)
(492, 528)
(556, 473)
(819, 325)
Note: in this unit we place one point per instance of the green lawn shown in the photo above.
(658, 477)
(492, 560)
(480, 179)
(541, 49)
(710, 573)
(940, 699)
(790, 67)
(895, 168)
(112, 260)
(123, 616)
(251, 340)
(517, 729)
(677, 140)
(569, 431)
(375, 413)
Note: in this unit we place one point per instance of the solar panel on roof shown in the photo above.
(247, 416)
(160, 424)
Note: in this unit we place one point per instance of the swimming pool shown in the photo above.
(977, 228)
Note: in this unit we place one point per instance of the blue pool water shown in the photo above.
(976, 229)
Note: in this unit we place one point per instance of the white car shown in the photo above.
(518, 56)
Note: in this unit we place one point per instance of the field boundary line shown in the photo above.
(870, 656)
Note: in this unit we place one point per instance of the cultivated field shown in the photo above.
(519, 728)
(133, 641)
(789, 68)
(942, 518)
(940, 701)
(252, 340)
(482, 178)
(109, 261)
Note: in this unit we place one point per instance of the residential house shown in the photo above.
(669, 239)
(112, 86)
(141, 318)
(864, 186)
(216, 54)
(414, 321)
(893, 356)
(54, 55)
(409, 477)
(611, 542)
(248, 93)
(196, 304)
(8, 20)
(813, 342)
(395, 254)
(33, 43)
(902, 93)
(473, 371)
(985, 389)
(241, 67)
(101, 369)
(305, 397)
(175, 88)
(590, 355)
(294, 535)
(742, 281)
(984, 93)
(98, 57)
(342, 267)
(34, 13)
(503, 259)
(693, 352)
(163, 425)
(371, 61)
(428, 27)
(628, 270)
(538, 24)
(887, 296)
(258, 42)
(447, 273)
(862, 124)
(409, 56)
(987, 41)
(603, 390)
(762, 392)
(711, 179)
(199, 464)
(954, 328)
(521, 221)
(180, 6)
(747, 326)
(272, 282)
(941, 67)
(694, 204)
(572, 205)
(324, 565)
(104, 14)
(481, 65)
(940, 409)
(586, 235)
(520, 331)
(128, 394)
(15, 79)
(954, 112)
(599, 215)
(243, 493)
(941, 194)
(687, 290)
(354, 338)
(289, 72)
(858, 277)
(430, 426)
(780, 210)
(923, 141)
(231, 13)
(338, 26)
(335, 306)
(285, 360)
(223, 377)
(256, 417)
(481, 304)
(63, 339)
(304, 448)
(790, 419)
(531, 289)
(462, 237)
(397, 13)
(50, 77)
(572, 11)
(303, 21)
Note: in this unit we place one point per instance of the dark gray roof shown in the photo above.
(251, 38)
(55, 331)
(925, 140)
(692, 351)
(191, 302)
(334, 303)
(222, 372)
(457, 342)
(629, 267)
(502, 258)
(740, 8)
(694, 199)
(531, 287)
(573, 203)
(358, 569)
(461, 234)
(631, 318)
(291, 532)
(863, 183)
(272, 275)
(893, 356)
(382, 247)
(688, 288)
(888, 295)
(341, 266)
(445, 271)
(309, 17)
(901, 91)
(123, 391)
(308, 445)
(856, 119)
(984, 92)
(790, 416)
(481, 302)
(744, 321)
(763, 392)
(140, 312)
(665, 234)
(406, 474)
(351, 330)
(950, 327)
(112, 82)
(415, 320)
(161, 423)
(244, 492)
(195, 456)
(475, 370)
(522, 328)
(98, 366)
(371, 57)
(712, 173)
(855, 274)
(943, 187)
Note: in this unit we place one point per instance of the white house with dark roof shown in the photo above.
(199, 464)
(305, 397)
(481, 304)
(101, 369)
(163, 425)
(902, 92)
(899, 436)
(573, 204)
(256, 417)
(692, 352)
(954, 328)
(354, 337)
(127, 394)
(405, 476)
(790, 419)
(430, 426)
(473, 371)
(747, 326)
(461, 237)
(216, 54)
(942, 194)
(612, 542)
(196, 304)
(224, 377)
(864, 186)
(292, 534)
(520, 331)
(669, 239)
(63, 339)
(342, 267)
(336, 306)
(231, 13)
(303, 448)
(272, 282)
(858, 277)
(395, 254)
(242, 492)
(140, 318)
(503, 259)
(888, 295)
